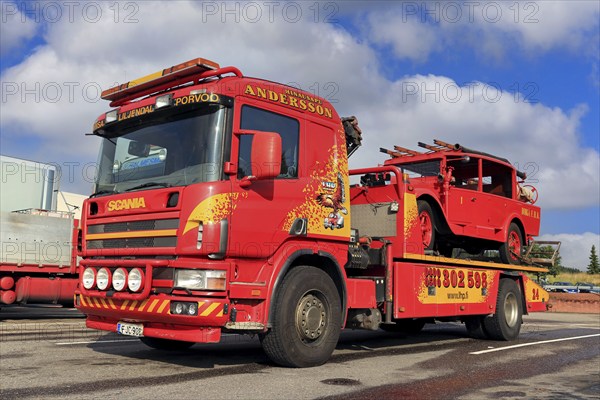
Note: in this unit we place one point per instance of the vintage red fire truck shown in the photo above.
(223, 204)
(470, 199)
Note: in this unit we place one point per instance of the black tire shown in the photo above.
(474, 250)
(166, 344)
(306, 319)
(407, 326)
(506, 249)
(475, 328)
(445, 249)
(424, 210)
(505, 324)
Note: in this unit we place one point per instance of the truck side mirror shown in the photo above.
(265, 156)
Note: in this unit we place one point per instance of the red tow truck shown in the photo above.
(223, 204)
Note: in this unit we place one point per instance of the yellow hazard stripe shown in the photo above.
(143, 305)
(156, 304)
(209, 309)
(152, 305)
(162, 306)
(96, 302)
(131, 234)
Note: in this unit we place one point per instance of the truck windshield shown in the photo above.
(420, 169)
(177, 150)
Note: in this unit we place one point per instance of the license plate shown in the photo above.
(125, 328)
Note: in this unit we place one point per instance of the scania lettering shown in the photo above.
(126, 204)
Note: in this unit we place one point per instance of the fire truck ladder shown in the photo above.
(439, 146)
(404, 152)
(400, 152)
(542, 253)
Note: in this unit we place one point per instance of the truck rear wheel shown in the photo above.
(427, 224)
(505, 324)
(165, 344)
(475, 328)
(306, 319)
(511, 249)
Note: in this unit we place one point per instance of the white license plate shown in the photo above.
(125, 328)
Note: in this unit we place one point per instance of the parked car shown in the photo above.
(587, 287)
(561, 287)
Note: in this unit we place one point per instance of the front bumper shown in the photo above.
(155, 314)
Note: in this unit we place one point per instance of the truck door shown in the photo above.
(497, 192)
(478, 198)
(260, 210)
(464, 196)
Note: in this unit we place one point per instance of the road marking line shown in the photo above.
(96, 341)
(533, 343)
(533, 324)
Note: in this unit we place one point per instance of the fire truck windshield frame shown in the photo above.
(166, 149)
(421, 169)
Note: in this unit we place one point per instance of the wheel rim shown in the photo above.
(514, 245)
(311, 317)
(511, 309)
(426, 228)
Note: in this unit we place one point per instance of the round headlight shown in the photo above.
(193, 310)
(119, 279)
(103, 278)
(88, 278)
(178, 308)
(135, 279)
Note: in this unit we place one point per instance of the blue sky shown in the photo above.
(519, 79)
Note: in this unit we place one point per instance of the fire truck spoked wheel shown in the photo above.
(505, 324)
(427, 224)
(165, 344)
(306, 319)
(510, 251)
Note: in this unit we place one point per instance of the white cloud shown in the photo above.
(409, 39)
(491, 28)
(542, 141)
(575, 248)
(52, 96)
(320, 58)
(15, 28)
(547, 24)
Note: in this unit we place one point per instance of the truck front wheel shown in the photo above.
(306, 319)
(505, 324)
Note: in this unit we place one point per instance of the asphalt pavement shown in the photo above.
(48, 353)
